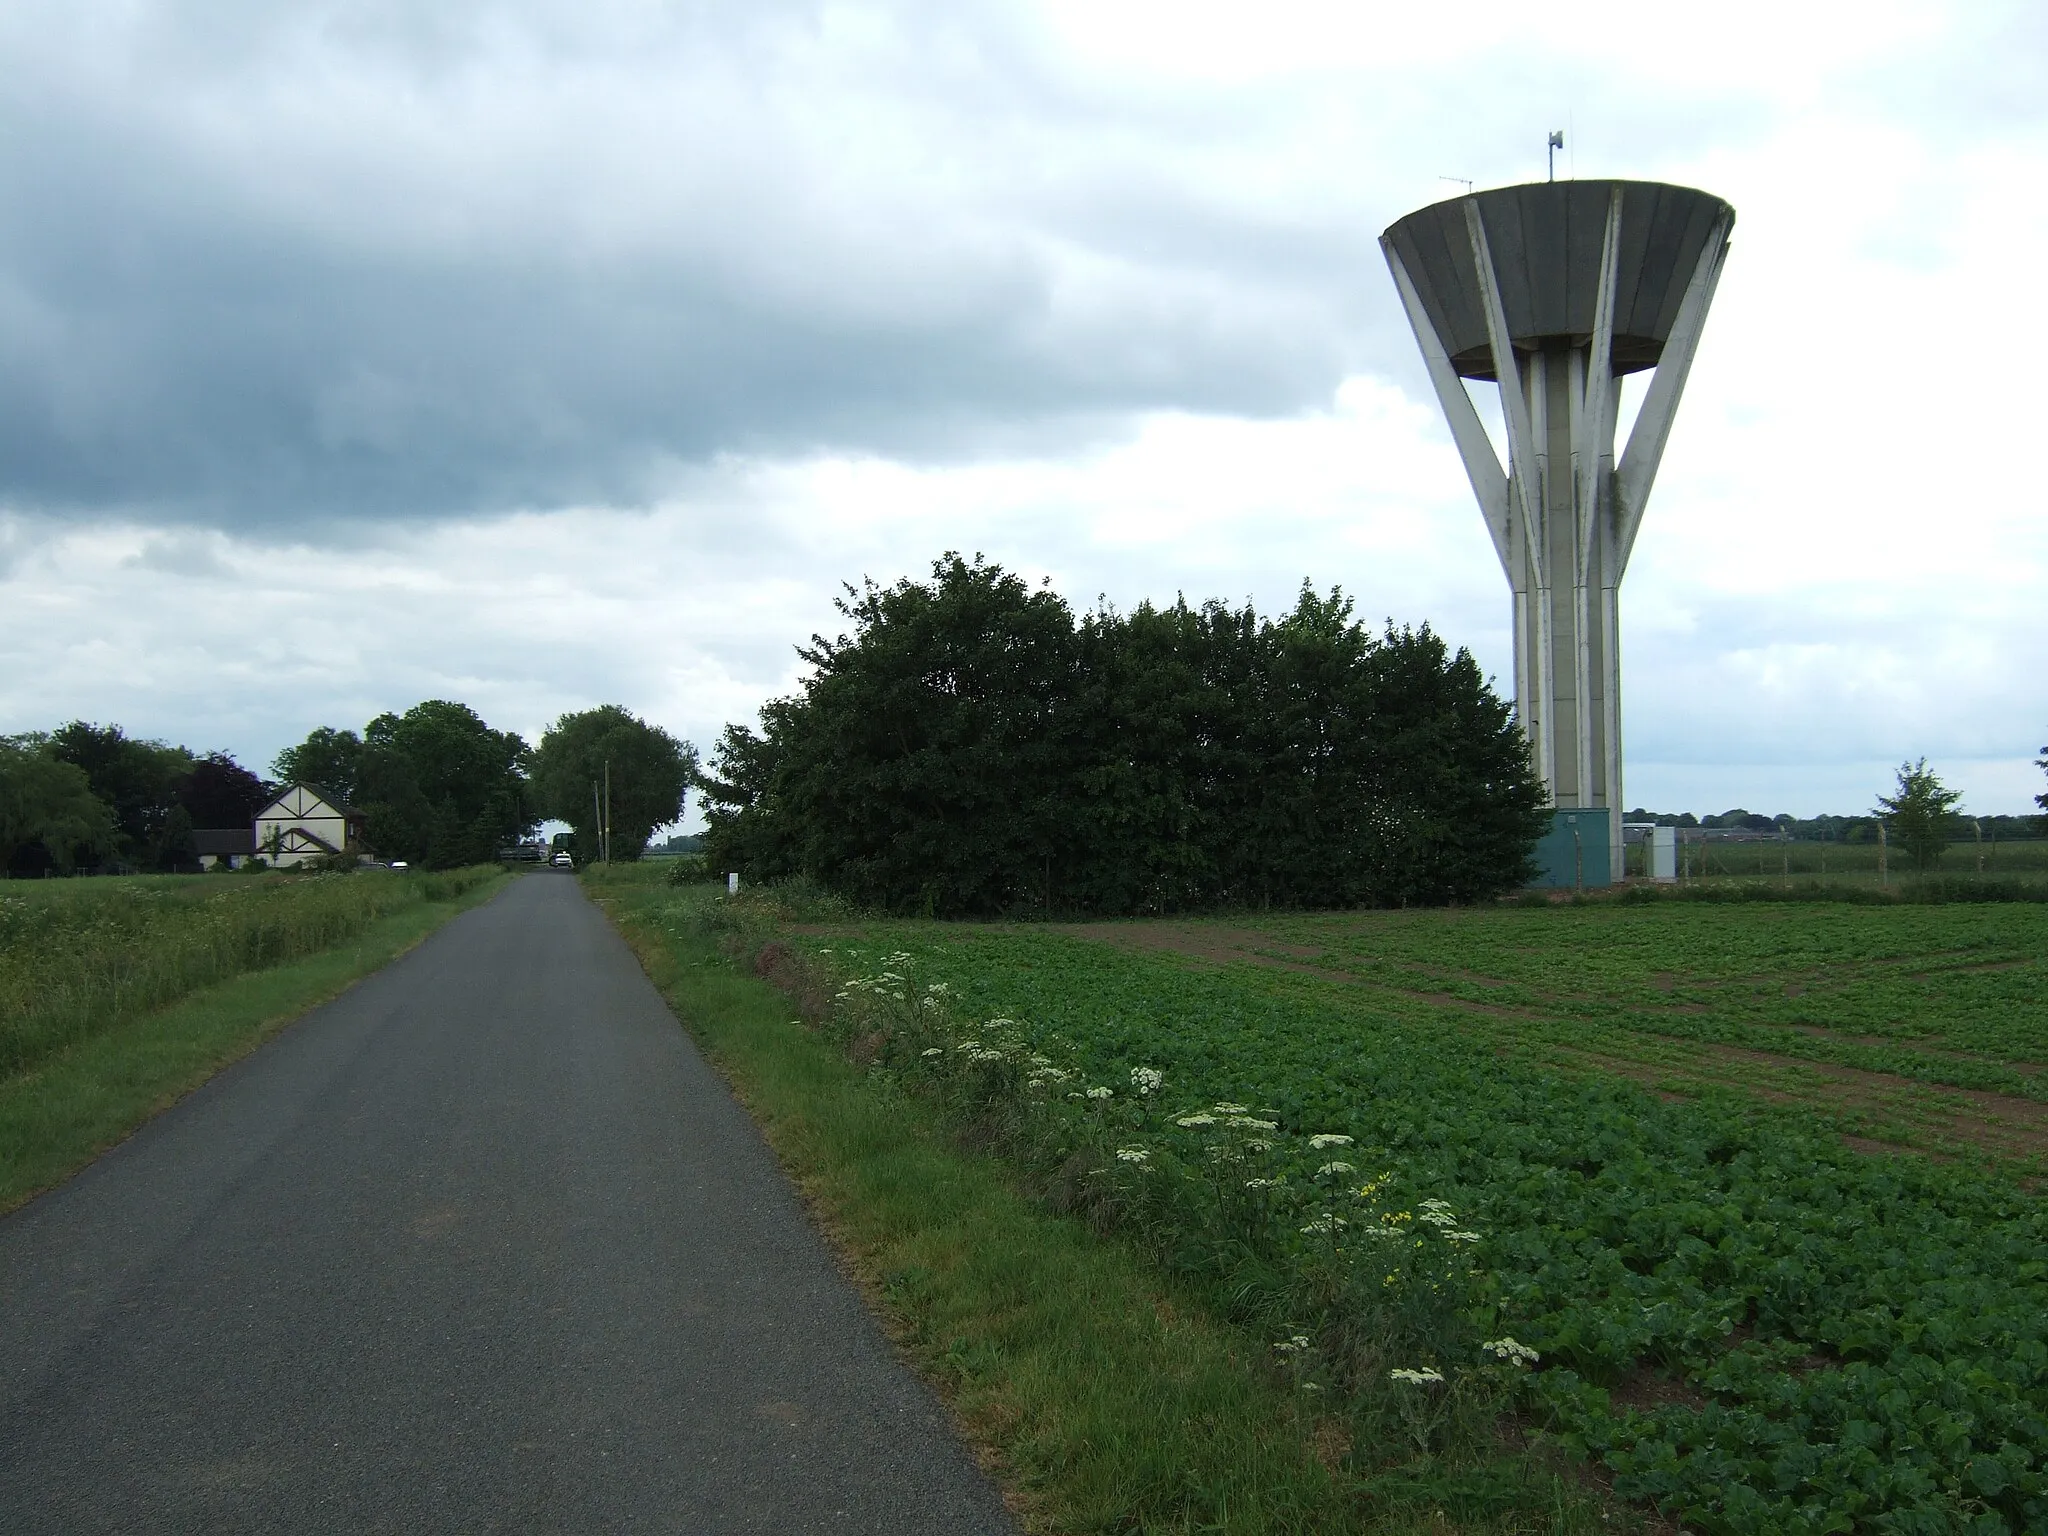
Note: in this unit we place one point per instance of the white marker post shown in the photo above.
(732, 885)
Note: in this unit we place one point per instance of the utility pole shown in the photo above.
(607, 810)
(597, 820)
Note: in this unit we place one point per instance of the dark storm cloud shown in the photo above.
(351, 265)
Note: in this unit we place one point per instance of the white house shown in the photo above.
(306, 822)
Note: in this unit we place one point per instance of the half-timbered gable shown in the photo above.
(306, 822)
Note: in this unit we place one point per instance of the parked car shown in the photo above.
(563, 861)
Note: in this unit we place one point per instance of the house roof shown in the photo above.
(334, 802)
(219, 840)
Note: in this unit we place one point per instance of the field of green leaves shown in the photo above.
(1634, 1170)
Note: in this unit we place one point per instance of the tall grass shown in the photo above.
(79, 957)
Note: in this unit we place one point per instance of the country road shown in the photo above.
(483, 1245)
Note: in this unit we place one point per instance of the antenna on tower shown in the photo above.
(1463, 181)
(1556, 143)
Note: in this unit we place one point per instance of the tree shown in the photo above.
(220, 792)
(1459, 804)
(48, 801)
(2041, 762)
(136, 779)
(651, 772)
(1918, 814)
(444, 788)
(919, 767)
(327, 759)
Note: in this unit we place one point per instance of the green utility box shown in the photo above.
(1574, 852)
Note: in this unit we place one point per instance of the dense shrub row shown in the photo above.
(972, 747)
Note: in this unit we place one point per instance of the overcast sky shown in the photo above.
(547, 354)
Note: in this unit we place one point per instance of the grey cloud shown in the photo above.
(278, 268)
(199, 329)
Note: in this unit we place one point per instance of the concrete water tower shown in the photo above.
(1553, 291)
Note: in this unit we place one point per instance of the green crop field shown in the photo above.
(1753, 1181)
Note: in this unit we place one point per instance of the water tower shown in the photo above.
(1553, 291)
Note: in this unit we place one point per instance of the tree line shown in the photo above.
(87, 795)
(1921, 815)
(974, 746)
(436, 787)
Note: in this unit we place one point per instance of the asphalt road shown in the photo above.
(483, 1245)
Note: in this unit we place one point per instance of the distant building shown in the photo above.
(306, 822)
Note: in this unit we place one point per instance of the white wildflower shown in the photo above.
(1248, 1123)
(1227, 1109)
(1101, 1093)
(1422, 1378)
(1330, 1170)
(1323, 1141)
(933, 1051)
(1261, 1183)
(1461, 1237)
(1325, 1225)
(1293, 1345)
(1511, 1351)
(1133, 1155)
(1194, 1121)
(1147, 1080)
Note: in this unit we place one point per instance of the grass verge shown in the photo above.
(1101, 1399)
(63, 1113)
